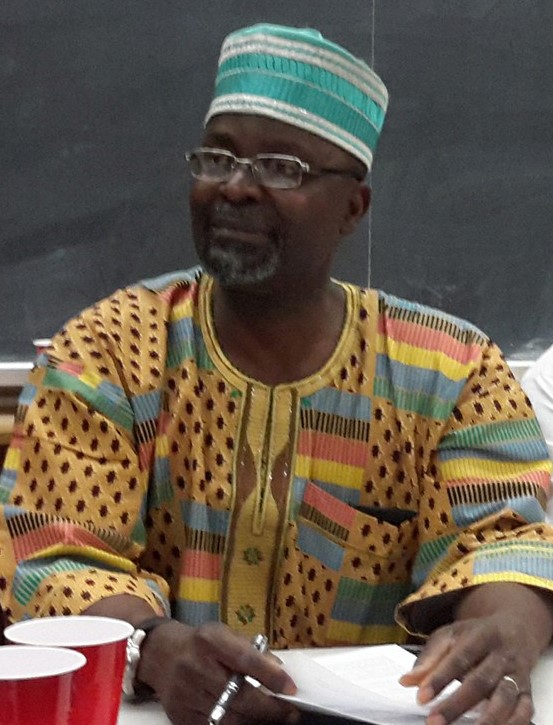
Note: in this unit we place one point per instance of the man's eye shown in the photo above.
(218, 161)
(279, 167)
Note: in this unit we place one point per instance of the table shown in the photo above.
(150, 713)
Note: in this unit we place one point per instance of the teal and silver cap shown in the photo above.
(296, 76)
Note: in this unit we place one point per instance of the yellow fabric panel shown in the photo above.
(98, 555)
(422, 358)
(200, 590)
(480, 468)
(342, 474)
(344, 632)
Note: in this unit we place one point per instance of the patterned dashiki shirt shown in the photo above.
(320, 512)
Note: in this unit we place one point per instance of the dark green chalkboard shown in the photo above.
(100, 100)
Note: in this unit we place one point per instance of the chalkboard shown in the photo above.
(101, 99)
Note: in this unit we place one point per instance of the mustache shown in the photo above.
(244, 218)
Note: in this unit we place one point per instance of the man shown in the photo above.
(259, 448)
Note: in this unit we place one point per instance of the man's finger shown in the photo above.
(433, 653)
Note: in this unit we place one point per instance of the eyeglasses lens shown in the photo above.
(278, 172)
(272, 171)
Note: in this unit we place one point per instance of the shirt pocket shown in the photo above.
(344, 571)
(327, 527)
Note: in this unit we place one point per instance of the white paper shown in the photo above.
(358, 682)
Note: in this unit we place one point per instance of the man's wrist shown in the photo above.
(131, 682)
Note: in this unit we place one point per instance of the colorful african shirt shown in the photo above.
(320, 512)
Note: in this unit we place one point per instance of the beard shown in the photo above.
(238, 265)
(235, 262)
(221, 231)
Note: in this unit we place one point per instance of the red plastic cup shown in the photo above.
(102, 641)
(36, 684)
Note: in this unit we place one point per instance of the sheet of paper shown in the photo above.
(359, 682)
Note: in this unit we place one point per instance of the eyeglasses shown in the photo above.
(274, 171)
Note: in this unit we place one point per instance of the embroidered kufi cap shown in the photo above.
(297, 76)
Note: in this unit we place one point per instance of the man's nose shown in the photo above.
(241, 182)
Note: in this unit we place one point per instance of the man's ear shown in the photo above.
(358, 206)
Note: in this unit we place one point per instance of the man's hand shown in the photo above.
(188, 667)
(499, 634)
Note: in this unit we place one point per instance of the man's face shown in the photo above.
(246, 234)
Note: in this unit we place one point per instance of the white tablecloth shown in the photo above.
(150, 713)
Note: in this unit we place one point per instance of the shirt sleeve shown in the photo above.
(483, 497)
(74, 489)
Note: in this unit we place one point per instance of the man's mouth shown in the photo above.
(239, 227)
(245, 234)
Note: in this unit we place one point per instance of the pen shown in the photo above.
(259, 642)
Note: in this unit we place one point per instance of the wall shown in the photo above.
(101, 99)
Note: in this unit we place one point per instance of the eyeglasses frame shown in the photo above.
(306, 169)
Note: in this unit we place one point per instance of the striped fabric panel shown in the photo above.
(395, 308)
(501, 452)
(516, 439)
(422, 341)
(139, 530)
(27, 395)
(414, 389)
(8, 477)
(367, 604)
(196, 613)
(412, 401)
(327, 447)
(320, 546)
(339, 403)
(200, 576)
(180, 340)
(200, 589)
(104, 396)
(146, 408)
(424, 359)
(197, 563)
(334, 425)
(350, 496)
(332, 441)
(526, 506)
(531, 558)
(473, 470)
(33, 541)
(199, 517)
(39, 531)
(165, 284)
(161, 486)
(483, 492)
(185, 341)
(320, 470)
(428, 555)
(327, 513)
(29, 575)
(414, 379)
(443, 347)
